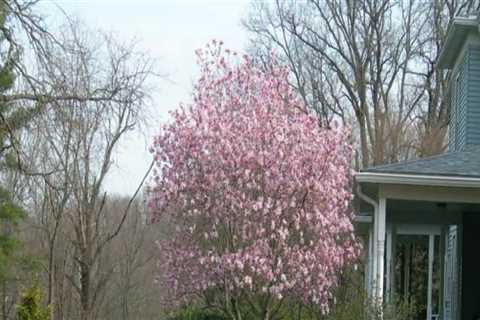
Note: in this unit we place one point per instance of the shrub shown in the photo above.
(353, 303)
(31, 307)
(195, 313)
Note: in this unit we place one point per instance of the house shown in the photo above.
(423, 217)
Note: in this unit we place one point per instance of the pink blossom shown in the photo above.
(258, 193)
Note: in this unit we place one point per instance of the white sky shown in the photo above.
(170, 30)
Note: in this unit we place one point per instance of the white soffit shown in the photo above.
(417, 180)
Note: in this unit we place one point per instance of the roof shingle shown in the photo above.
(460, 163)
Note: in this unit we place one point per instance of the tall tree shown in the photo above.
(256, 192)
(86, 94)
(97, 95)
(14, 116)
(369, 63)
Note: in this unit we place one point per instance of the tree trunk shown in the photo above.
(85, 291)
(363, 141)
(51, 281)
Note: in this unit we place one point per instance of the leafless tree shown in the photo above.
(132, 294)
(87, 93)
(94, 93)
(369, 63)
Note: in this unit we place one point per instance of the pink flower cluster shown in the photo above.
(257, 194)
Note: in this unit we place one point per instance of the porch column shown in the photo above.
(380, 224)
(388, 266)
(431, 252)
(369, 263)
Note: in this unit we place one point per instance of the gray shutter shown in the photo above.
(450, 304)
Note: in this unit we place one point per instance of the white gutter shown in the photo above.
(416, 179)
(374, 204)
(366, 198)
(466, 21)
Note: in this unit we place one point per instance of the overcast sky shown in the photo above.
(170, 30)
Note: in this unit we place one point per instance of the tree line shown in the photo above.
(68, 97)
(369, 64)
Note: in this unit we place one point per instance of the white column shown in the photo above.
(369, 263)
(373, 279)
(380, 249)
(431, 250)
(388, 270)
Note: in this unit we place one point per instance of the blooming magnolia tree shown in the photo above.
(257, 194)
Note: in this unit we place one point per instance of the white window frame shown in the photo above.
(424, 230)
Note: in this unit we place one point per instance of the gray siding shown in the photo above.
(464, 130)
(458, 106)
(462, 92)
(452, 119)
(473, 112)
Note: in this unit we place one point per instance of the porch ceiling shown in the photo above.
(418, 198)
(428, 212)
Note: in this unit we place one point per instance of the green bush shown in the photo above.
(364, 309)
(195, 313)
(356, 308)
(399, 310)
(31, 307)
(351, 303)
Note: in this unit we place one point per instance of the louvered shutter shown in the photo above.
(450, 304)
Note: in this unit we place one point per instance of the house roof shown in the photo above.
(455, 37)
(457, 164)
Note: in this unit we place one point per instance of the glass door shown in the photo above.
(416, 271)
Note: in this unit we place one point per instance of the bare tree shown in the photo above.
(368, 63)
(131, 294)
(82, 95)
(95, 94)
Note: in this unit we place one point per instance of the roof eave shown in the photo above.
(455, 36)
(417, 179)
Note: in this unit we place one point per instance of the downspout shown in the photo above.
(373, 277)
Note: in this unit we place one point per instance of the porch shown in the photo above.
(422, 243)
